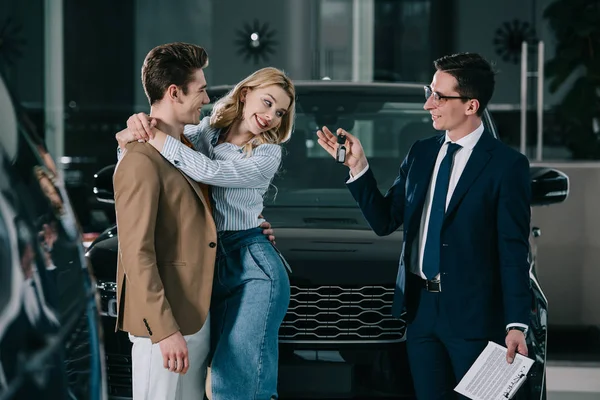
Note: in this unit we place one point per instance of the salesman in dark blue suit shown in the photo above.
(463, 199)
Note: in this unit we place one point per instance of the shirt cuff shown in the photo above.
(170, 150)
(361, 173)
(519, 325)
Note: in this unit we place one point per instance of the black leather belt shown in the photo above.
(433, 285)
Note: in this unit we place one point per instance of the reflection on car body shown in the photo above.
(338, 338)
(49, 323)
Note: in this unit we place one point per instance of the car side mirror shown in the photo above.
(548, 186)
(103, 184)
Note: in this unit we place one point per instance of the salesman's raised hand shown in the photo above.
(355, 156)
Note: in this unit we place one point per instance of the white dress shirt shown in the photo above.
(238, 182)
(461, 157)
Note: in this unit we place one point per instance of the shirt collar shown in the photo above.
(186, 141)
(470, 140)
(215, 137)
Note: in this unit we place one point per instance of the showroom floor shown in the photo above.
(573, 368)
(573, 382)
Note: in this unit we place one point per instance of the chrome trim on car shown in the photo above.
(343, 315)
(108, 301)
(105, 285)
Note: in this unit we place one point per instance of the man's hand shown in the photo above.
(268, 231)
(175, 353)
(140, 125)
(515, 342)
(355, 155)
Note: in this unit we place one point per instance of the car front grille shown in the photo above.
(118, 370)
(329, 314)
(341, 314)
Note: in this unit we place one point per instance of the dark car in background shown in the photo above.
(338, 338)
(50, 337)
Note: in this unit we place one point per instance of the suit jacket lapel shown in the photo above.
(196, 186)
(478, 160)
(420, 177)
(423, 169)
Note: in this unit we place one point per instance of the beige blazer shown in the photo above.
(167, 247)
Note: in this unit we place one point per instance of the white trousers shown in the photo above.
(151, 381)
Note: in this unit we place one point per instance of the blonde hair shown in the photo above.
(230, 107)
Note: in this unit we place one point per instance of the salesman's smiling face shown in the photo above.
(446, 114)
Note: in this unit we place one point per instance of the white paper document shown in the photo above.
(491, 377)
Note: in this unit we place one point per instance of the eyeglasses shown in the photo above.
(439, 99)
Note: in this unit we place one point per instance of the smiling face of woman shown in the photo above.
(264, 108)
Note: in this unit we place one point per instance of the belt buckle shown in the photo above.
(433, 289)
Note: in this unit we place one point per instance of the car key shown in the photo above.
(341, 150)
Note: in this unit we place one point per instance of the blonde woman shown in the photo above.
(237, 151)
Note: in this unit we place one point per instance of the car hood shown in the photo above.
(322, 246)
(339, 257)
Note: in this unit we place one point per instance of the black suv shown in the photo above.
(338, 338)
(50, 342)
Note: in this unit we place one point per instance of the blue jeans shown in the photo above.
(251, 294)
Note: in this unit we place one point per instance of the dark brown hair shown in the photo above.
(171, 64)
(474, 74)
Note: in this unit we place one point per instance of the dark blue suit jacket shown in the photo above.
(484, 262)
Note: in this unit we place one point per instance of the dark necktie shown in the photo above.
(431, 258)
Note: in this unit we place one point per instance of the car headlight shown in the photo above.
(108, 298)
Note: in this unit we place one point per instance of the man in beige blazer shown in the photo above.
(167, 239)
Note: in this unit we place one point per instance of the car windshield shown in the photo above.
(387, 125)
(386, 128)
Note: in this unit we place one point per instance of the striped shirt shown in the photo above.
(238, 182)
